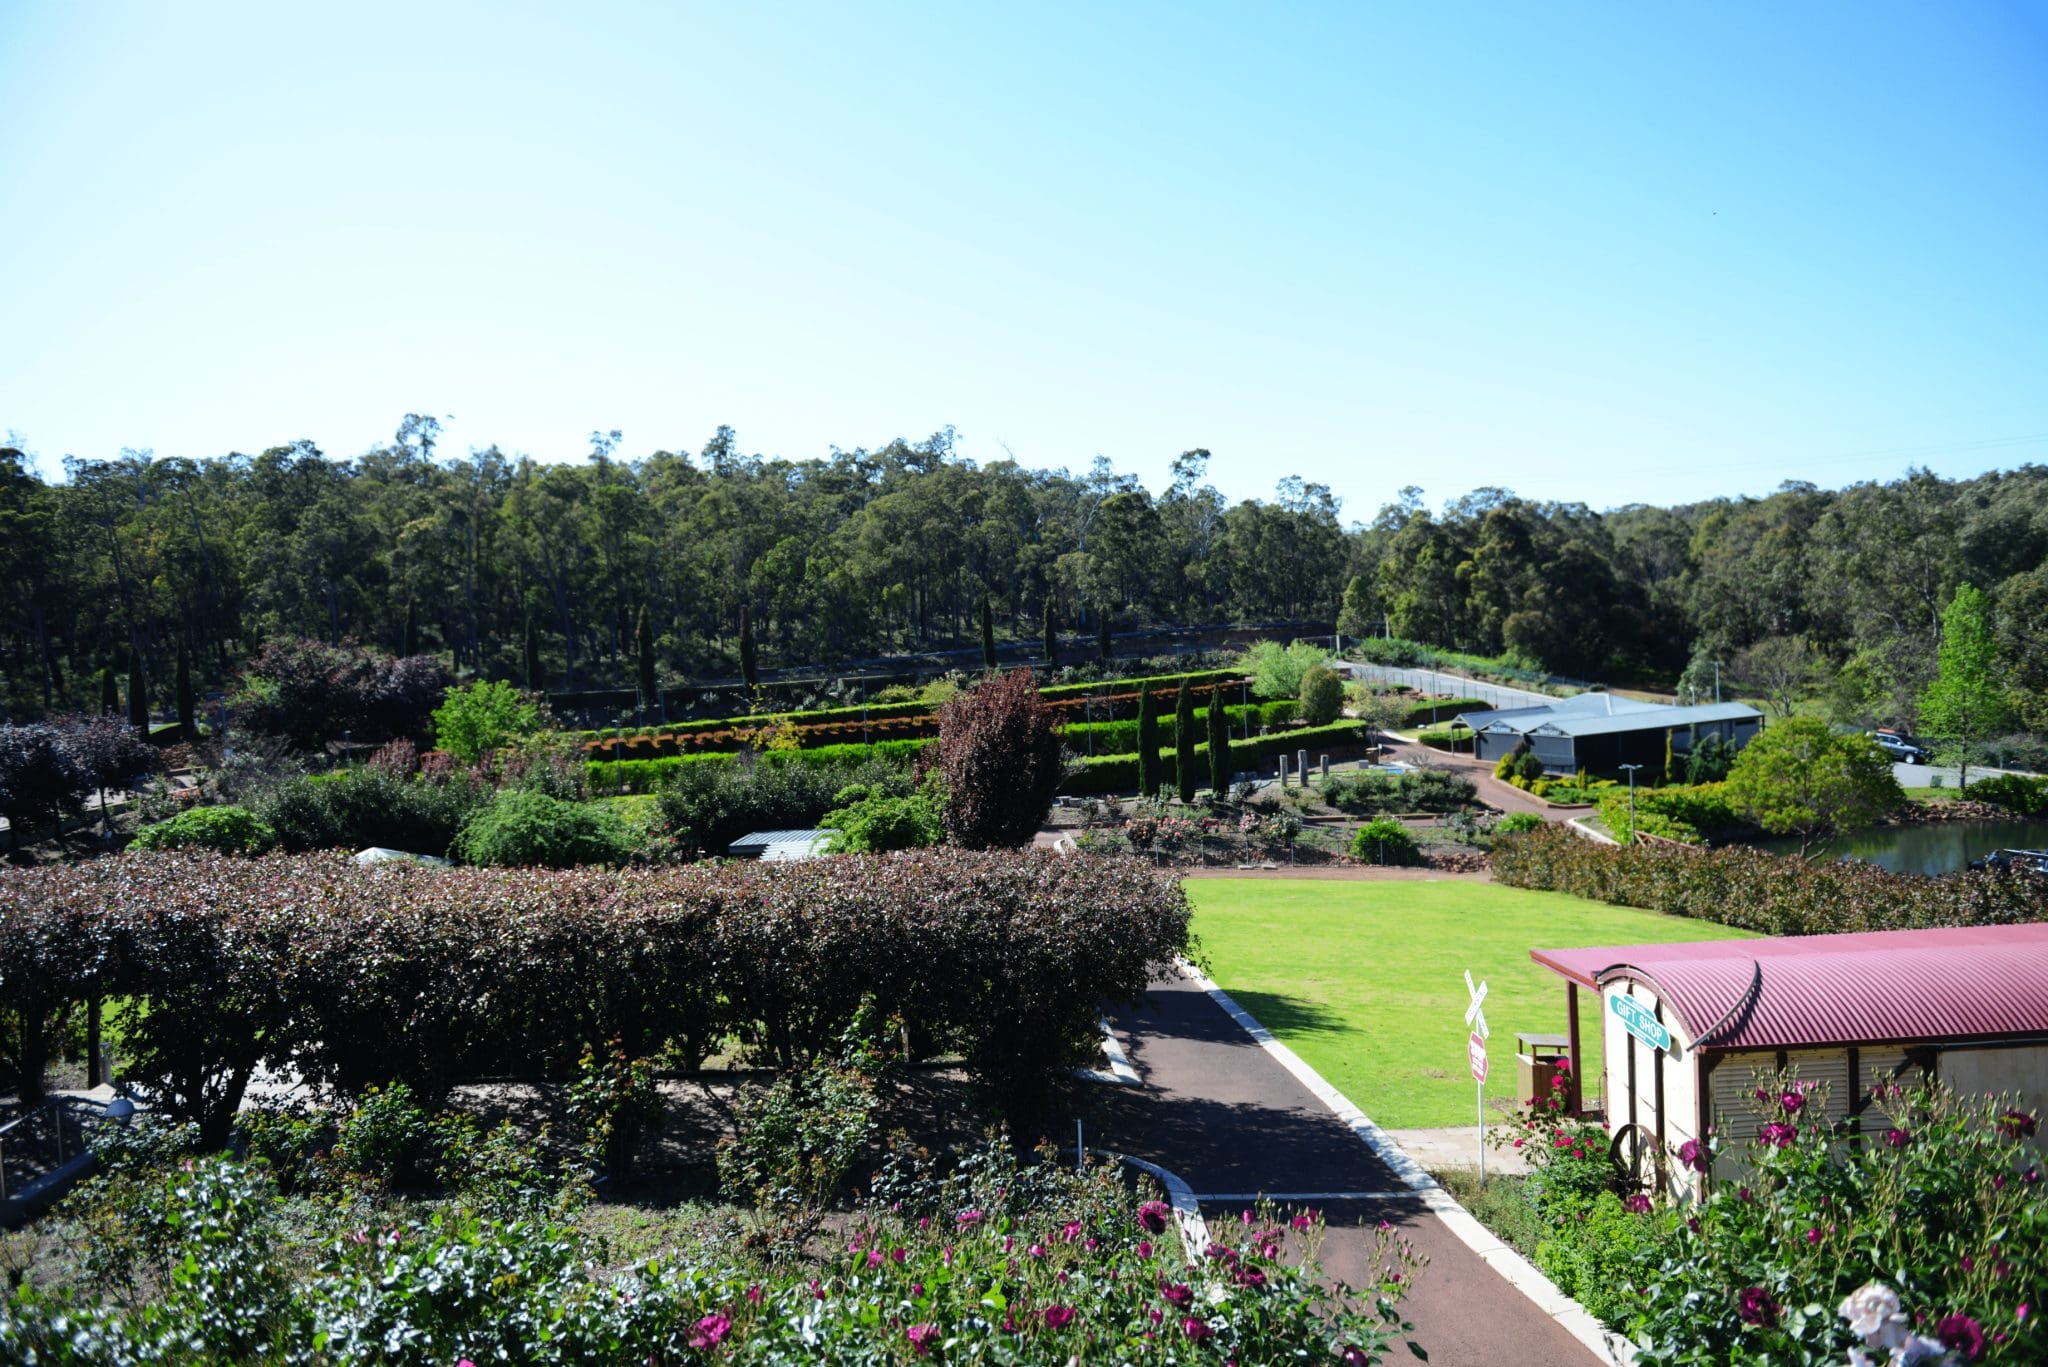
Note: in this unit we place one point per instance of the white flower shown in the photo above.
(1870, 1309)
(1918, 1350)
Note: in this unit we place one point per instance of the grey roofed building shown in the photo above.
(1599, 732)
(776, 847)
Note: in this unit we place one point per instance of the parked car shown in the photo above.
(1901, 748)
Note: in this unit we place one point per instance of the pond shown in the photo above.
(1938, 847)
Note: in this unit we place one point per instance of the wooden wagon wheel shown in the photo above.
(1634, 1153)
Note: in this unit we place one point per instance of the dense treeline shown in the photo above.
(1808, 588)
(513, 568)
(861, 553)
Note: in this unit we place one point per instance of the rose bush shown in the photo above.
(1048, 1265)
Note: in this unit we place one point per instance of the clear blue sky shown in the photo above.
(1632, 252)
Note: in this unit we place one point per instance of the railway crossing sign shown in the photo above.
(1475, 1056)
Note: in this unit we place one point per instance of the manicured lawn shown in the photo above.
(1366, 980)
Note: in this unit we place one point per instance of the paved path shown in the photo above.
(1223, 1115)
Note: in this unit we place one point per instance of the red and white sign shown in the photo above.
(1475, 1053)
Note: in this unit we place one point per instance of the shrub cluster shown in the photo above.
(1384, 840)
(2017, 793)
(351, 976)
(995, 1262)
(354, 808)
(523, 828)
(1416, 790)
(310, 692)
(705, 807)
(1763, 892)
(224, 830)
(1689, 813)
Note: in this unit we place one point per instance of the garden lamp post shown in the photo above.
(1630, 770)
(862, 678)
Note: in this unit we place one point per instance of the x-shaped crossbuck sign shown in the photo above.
(1474, 1017)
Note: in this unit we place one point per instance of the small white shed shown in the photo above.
(1684, 1027)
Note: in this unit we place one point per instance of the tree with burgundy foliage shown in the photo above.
(1001, 754)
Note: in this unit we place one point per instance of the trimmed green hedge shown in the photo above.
(1201, 678)
(1116, 773)
(874, 712)
(648, 775)
(1443, 709)
(1121, 737)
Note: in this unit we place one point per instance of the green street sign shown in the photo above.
(1638, 1021)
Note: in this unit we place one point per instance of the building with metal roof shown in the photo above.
(1686, 1027)
(1600, 732)
(776, 847)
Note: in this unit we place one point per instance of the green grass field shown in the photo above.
(1366, 980)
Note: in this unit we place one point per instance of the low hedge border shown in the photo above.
(1772, 894)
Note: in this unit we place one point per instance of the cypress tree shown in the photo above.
(1052, 636)
(110, 692)
(138, 701)
(1102, 633)
(1219, 743)
(748, 668)
(412, 630)
(536, 679)
(643, 637)
(1148, 745)
(188, 710)
(988, 636)
(1184, 742)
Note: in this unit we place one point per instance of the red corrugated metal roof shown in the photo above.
(1957, 983)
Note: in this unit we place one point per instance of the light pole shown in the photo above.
(1630, 770)
(861, 682)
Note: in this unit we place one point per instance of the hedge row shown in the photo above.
(1121, 737)
(731, 740)
(1119, 773)
(351, 976)
(1443, 710)
(648, 775)
(1199, 678)
(875, 712)
(1773, 894)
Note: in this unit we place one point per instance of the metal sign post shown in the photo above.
(1475, 1055)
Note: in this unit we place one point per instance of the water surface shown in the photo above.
(1938, 847)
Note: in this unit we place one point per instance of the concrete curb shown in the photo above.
(1187, 1211)
(1120, 1070)
(1518, 1271)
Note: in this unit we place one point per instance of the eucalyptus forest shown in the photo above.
(488, 557)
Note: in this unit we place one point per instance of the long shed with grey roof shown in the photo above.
(1600, 732)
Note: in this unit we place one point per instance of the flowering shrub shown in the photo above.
(1075, 1271)
(1763, 892)
(1936, 1194)
(352, 976)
